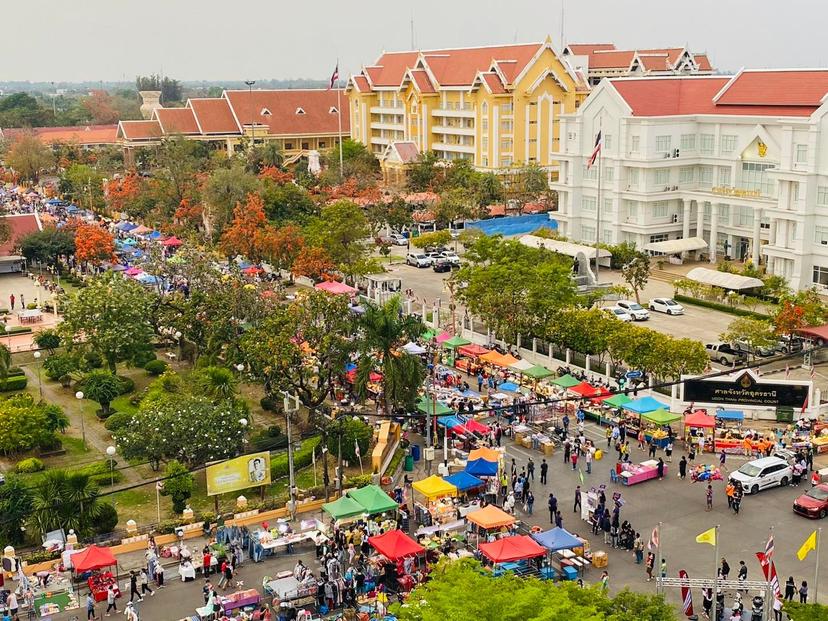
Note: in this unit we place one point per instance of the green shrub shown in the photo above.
(264, 440)
(107, 518)
(155, 367)
(13, 371)
(58, 365)
(117, 421)
(17, 330)
(32, 464)
(18, 382)
(354, 431)
(92, 360)
(47, 339)
(31, 306)
(301, 458)
(99, 473)
(359, 480)
(142, 357)
(270, 405)
(127, 384)
(725, 308)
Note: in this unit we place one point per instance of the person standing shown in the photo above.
(638, 548)
(737, 497)
(709, 497)
(574, 459)
(90, 604)
(608, 434)
(530, 469)
(577, 499)
(544, 468)
(649, 565)
(707, 601)
(480, 382)
(159, 575)
(668, 450)
(588, 459)
(558, 519)
(663, 567)
(144, 581)
(803, 592)
(553, 507)
(110, 600)
(725, 570)
(22, 302)
(567, 449)
(530, 502)
(723, 460)
(777, 609)
(683, 467)
(604, 581)
(790, 589)
(11, 301)
(660, 469)
(742, 576)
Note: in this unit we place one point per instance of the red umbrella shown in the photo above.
(172, 242)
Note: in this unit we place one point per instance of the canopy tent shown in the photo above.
(427, 406)
(617, 401)
(373, 499)
(413, 349)
(490, 516)
(172, 242)
(565, 381)
(72, 209)
(449, 421)
(147, 279)
(585, 389)
(126, 226)
(481, 468)
(155, 235)
(455, 342)
(489, 454)
(134, 271)
(473, 425)
(645, 404)
(428, 335)
(252, 270)
(661, 417)
(557, 539)
(511, 549)
(537, 372)
(730, 414)
(699, 419)
(343, 508)
(434, 487)
(505, 360)
(674, 246)
(141, 230)
(91, 558)
(464, 481)
(443, 337)
(490, 357)
(724, 280)
(335, 287)
(521, 365)
(395, 545)
(472, 350)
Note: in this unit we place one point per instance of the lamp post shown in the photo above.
(37, 356)
(8, 330)
(110, 453)
(177, 336)
(79, 397)
(250, 84)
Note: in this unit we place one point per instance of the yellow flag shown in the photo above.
(708, 536)
(810, 544)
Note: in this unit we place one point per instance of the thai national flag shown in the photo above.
(595, 151)
(334, 76)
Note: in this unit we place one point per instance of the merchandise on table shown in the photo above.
(632, 474)
(704, 472)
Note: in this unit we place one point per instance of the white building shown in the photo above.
(740, 161)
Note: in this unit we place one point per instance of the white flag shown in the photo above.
(356, 448)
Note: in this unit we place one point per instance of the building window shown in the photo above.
(506, 126)
(724, 175)
(706, 143)
(822, 195)
(588, 233)
(484, 160)
(321, 144)
(607, 207)
(506, 162)
(801, 153)
(659, 237)
(506, 109)
(688, 142)
(484, 123)
(632, 176)
(305, 146)
(632, 209)
(609, 173)
(288, 145)
(635, 144)
(590, 173)
(724, 214)
(820, 275)
(706, 176)
(821, 235)
(663, 143)
(588, 203)
(754, 177)
(484, 143)
(744, 216)
(607, 141)
(506, 145)
(661, 177)
(687, 174)
(727, 144)
(660, 209)
(607, 236)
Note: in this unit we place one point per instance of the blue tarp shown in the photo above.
(730, 414)
(510, 386)
(644, 405)
(464, 481)
(449, 421)
(72, 209)
(350, 366)
(55, 201)
(126, 226)
(154, 235)
(482, 468)
(557, 539)
(513, 225)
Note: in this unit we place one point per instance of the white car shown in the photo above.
(398, 239)
(451, 257)
(619, 313)
(763, 473)
(634, 309)
(666, 305)
(419, 259)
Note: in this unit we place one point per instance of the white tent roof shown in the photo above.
(567, 248)
(672, 246)
(723, 279)
(521, 365)
(413, 349)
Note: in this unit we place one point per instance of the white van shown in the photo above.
(763, 473)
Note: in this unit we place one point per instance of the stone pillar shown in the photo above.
(700, 219)
(231, 147)
(757, 229)
(586, 364)
(714, 230)
(150, 100)
(685, 223)
(568, 356)
(534, 345)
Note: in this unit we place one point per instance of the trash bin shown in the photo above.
(409, 463)
(415, 452)
(784, 415)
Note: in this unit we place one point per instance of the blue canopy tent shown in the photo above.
(508, 386)
(154, 235)
(644, 405)
(125, 226)
(464, 481)
(72, 209)
(449, 422)
(147, 279)
(730, 414)
(55, 202)
(557, 539)
(130, 242)
(350, 366)
(482, 468)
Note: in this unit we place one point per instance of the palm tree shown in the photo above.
(64, 500)
(217, 383)
(384, 330)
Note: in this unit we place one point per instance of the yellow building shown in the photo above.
(497, 106)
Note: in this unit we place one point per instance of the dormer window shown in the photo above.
(300, 111)
(333, 110)
(265, 112)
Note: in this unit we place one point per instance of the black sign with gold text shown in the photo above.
(746, 389)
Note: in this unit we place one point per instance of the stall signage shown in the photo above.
(746, 389)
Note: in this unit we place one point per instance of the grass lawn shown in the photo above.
(123, 404)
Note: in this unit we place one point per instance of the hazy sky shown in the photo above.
(52, 40)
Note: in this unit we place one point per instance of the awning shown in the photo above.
(373, 499)
(464, 481)
(93, 557)
(537, 372)
(455, 342)
(505, 360)
(490, 357)
(508, 386)
(567, 248)
(490, 516)
(434, 487)
(489, 454)
(413, 349)
(343, 508)
(472, 350)
(335, 287)
(617, 401)
(645, 404)
(699, 419)
(511, 549)
(395, 545)
(585, 389)
(171, 242)
(674, 246)
(427, 406)
(521, 365)
(723, 279)
(661, 417)
(481, 468)
(565, 381)
(443, 337)
(449, 422)
(557, 539)
(730, 414)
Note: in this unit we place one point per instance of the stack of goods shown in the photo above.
(704, 472)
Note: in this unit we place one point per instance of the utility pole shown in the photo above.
(290, 409)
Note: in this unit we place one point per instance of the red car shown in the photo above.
(813, 503)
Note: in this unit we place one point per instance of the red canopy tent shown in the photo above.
(601, 394)
(699, 418)
(472, 350)
(395, 545)
(511, 549)
(252, 270)
(585, 389)
(336, 287)
(91, 558)
(475, 426)
(171, 241)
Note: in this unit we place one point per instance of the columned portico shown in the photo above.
(685, 223)
(714, 230)
(757, 229)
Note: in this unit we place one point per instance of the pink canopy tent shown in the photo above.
(443, 337)
(134, 271)
(172, 242)
(336, 287)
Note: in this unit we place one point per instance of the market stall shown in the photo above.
(481, 467)
(565, 381)
(657, 426)
(695, 425)
(536, 372)
(515, 554)
(465, 482)
(633, 474)
(467, 357)
(438, 507)
(728, 435)
(414, 349)
(489, 519)
(634, 409)
(572, 553)
(344, 508)
(373, 499)
(246, 599)
(395, 545)
(489, 454)
(89, 561)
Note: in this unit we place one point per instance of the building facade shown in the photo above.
(496, 106)
(738, 161)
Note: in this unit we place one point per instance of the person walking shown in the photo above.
(683, 467)
(790, 589)
(652, 449)
(567, 450)
(707, 601)
(553, 507)
(738, 493)
(133, 587)
(668, 451)
(608, 434)
(729, 489)
(577, 505)
(725, 569)
(558, 519)
(588, 459)
(159, 575)
(803, 592)
(638, 549)
(777, 609)
(663, 567)
(143, 579)
(723, 460)
(606, 525)
(110, 600)
(11, 301)
(648, 566)
(480, 382)
(709, 497)
(742, 576)
(90, 604)
(574, 459)
(530, 502)
(544, 468)
(530, 469)
(604, 581)
(660, 469)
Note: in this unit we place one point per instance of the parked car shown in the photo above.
(788, 345)
(634, 309)
(725, 354)
(813, 503)
(398, 239)
(751, 350)
(619, 313)
(419, 259)
(450, 256)
(441, 265)
(666, 305)
(763, 473)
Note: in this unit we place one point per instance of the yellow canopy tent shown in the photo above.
(434, 487)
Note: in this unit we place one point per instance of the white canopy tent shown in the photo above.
(675, 246)
(413, 349)
(521, 365)
(724, 280)
(563, 247)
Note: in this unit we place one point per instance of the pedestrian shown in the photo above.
(606, 525)
(777, 609)
(553, 507)
(588, 459)
(803, 593)
(652, 449)
(790, 589)
(668, 450)
(691, 456)
(722, 460)
(707, 601)
(567, 449)
(530, 469)
(22, 302)
(574, 459)
(577, 499)
(90, 600)
(530, 502)
(565, 422)
(130, 613)
(664, 568)
(206, 590)
(159, 575)
(11, 301)
(544, 469)
(558, 519)
(143, 579)
(641, 439)
(604, 581)
(110, 600)
(742, 576)
(709, 497)
(683, 467)
(480, 382)
(133, 587)
(648, 566)
(737, 497)
(660, 468)
(638, 548)
(608, 434)
(725, 569)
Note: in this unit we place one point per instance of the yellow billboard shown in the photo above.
(240, 473)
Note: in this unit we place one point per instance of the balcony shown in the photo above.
(392, 126)
(388, 108)
(459, 148)
(457, 110)
(454, 131)
(380, 140)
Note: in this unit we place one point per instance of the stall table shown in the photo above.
(239, 599)
(645, 471)
(99, 583)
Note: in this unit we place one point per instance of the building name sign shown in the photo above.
(724, 190)
(746, 389)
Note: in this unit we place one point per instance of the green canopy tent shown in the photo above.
(427, 336)
(566, 381)
(426, 406)
(661, 417)
(537, 372)
(373, 499)
(455, 342)
(343, 508)
(616, 401)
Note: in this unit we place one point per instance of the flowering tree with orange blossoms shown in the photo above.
(276, 175)
(313, 262)
(249, 225)
(93, 244)
(281, 246)
(120, 191)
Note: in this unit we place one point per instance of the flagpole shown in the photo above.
(716, 571)
(658, 558)
(339, 118)
(816, 571)
(598, 210)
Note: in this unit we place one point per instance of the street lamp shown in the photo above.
(177, 336)
(8, 330)
(110, 453)
(79, 397)
(37, 356)
(250, 84)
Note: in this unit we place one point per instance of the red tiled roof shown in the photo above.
(777, 88)
(422, 81)
(318, 106)
(496, 210)
(407, 151)
(176, 120)
(422, 215)
(654, 62)
(81, 135)
(140, 130)
(703, 62)
(362, 83)
(611, 60)
(673, 53)
(494, 83)
(214, 116)
(585, 49)
(390, 68)
(20, 226)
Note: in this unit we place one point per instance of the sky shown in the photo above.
(60, 40)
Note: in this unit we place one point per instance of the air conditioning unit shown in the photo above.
(675, 187)
(675, 218)
(667, 155)
(824, 242)
(676, 152)
(667, 188)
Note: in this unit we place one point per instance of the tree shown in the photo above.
(423, 173)
(636, 273)
(789, 318)
(84, 185)
(5, 362)
(93, 244)
(110, 316)
(101, 108)
(305, 366)
(384, 330)
(798, 310)
(488, 190)
(25, 425)
(170, 89)
(22, 110)
(120, 193)
(47, 246)
(103, 387)
(224, 190)
(313, 263)
(454, 204)
(247, 231)
(267, 155)
(534, 181)
(16, 507)
(286, 202)
(583, 330)
(282, 247)
(437, 238)
(216, 383)
(65, 500)
(29, 157)
(341, 229)
(353, 432)
(47, 339)
(755, 333)
(178, 485)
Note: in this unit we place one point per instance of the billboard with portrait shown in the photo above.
(240, 473)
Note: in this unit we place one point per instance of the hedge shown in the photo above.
(16, 382)
(99, 473)
(17, 330)
(155, 367)
(301, 458)
(32, 464)
(741, 312)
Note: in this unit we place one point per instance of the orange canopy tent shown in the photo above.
(490, 516)
(511, 549)
(489, 454)
(91, 558)
(492, 357)
(505, 360)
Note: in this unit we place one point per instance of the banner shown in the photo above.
(746, 389)
(240, 473)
